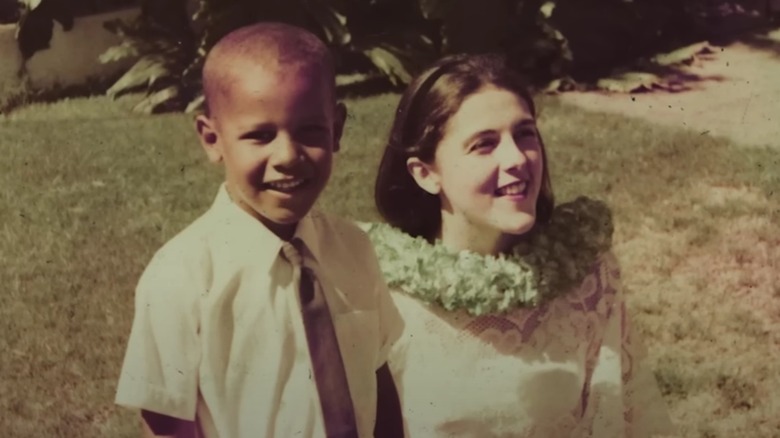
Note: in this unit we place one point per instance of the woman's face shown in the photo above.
(487, 168)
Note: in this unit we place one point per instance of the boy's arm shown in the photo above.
(160, 371)
(389, 420)
(389, 417)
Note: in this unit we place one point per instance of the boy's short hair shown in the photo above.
(271, 45)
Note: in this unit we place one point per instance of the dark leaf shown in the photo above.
(158, 101)
(144, 73)
(435, 9)
(333, 23)
(196, 104)
(126, 49)
(390, 63)
(399, 55)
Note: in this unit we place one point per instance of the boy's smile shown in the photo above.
(275, 131)
(287, 185)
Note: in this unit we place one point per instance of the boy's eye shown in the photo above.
(313, 134)
(314, 129)
(263, 136)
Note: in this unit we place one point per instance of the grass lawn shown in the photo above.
(91, 191)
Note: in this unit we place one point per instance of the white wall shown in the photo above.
(71, 58)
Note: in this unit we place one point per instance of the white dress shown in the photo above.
(565, 369)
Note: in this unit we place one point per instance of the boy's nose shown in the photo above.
(286, 150)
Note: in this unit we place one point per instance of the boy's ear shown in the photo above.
(424, 174)
(208, 138)
(339, 120)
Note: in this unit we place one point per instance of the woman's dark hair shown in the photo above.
(422, 114)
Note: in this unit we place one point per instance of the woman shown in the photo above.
(516, 326)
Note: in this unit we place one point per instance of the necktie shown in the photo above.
(327, 364)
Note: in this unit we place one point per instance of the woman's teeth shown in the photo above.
(513, 189)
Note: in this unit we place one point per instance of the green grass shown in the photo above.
(91, 191)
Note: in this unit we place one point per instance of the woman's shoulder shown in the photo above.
(598, 290)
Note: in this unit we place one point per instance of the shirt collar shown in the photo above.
(248, 231)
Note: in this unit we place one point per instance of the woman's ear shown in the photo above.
(425, 175)
(209, 138)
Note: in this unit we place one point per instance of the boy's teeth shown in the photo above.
(513, 189)
(286, 185)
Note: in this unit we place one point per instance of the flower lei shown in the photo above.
(552, 261)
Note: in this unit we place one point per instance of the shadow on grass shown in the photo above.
(25, 95)
(768, 41)
(677, 80)
(366, 87)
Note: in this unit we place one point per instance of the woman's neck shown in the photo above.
(458, 234)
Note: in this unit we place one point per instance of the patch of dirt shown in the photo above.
(731, 91)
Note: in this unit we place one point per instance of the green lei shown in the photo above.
(553, 260)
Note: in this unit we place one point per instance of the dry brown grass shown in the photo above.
(706, 298)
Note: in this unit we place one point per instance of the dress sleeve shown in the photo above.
(624, 399)
(160, 369)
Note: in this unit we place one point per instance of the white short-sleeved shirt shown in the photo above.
(218, 337)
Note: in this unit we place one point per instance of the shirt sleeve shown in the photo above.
(624, 396)
(391, 325)
(160, 369)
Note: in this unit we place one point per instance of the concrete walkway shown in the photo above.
(734, 91)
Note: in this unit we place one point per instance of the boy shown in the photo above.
(221, 344)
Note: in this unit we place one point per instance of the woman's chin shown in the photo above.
(519, 225)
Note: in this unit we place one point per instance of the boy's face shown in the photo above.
(275, 132)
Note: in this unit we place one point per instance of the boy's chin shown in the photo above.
(282, 222)
(284, 228)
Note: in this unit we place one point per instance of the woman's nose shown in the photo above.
(510, 154)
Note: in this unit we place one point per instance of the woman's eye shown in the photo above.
(482, 145)
(526, 133)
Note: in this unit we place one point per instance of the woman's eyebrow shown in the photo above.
(526, 122)
(476, 135)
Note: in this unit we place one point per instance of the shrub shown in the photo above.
(547, 40)
(170, 45)
(10, 11)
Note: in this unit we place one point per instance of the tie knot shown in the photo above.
(293, 251)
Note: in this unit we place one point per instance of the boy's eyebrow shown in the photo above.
(316, 120)
(252, 129)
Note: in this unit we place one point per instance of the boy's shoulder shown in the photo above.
(191, 244)
(332, 228)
